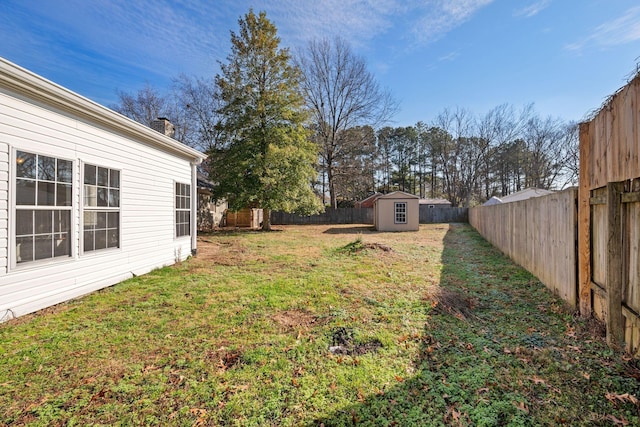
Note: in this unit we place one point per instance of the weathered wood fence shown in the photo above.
(609, 217)
(329, 216)
(436, 215)
(365, 216)
(539, 234)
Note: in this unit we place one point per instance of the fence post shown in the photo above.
(615, 329)
(584, 223)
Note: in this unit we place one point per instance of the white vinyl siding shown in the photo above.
(4, 208)
(148, 172)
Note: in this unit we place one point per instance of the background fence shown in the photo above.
(329, 216)
(365, 216)
(437, 215)
(539, 234)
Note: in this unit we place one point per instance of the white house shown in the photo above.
(87, 197)
(525, 194)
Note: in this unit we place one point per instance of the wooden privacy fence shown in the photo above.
(365, 216)
(609, 217)
(615, 260)
(329, 216)
(539, 234)
(437, 215)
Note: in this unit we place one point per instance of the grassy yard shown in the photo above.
(311, 325)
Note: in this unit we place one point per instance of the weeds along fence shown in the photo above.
(600, 273)
(539, 234)
(428, 215)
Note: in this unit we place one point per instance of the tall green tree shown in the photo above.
(268, 160)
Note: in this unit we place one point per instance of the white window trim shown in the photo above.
(395, 212)
(13, 207)
(96, 252)
(176, 210)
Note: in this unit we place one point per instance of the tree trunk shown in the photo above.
(266, 219)
(332, 188)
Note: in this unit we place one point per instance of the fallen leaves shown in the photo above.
(200, 415)
(617, 421)
(522, 406)
(626, 397)
(537, 380)
(570, 332)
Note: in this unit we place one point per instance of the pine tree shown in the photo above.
(268, 160)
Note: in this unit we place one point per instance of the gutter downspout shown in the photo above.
(194, 205)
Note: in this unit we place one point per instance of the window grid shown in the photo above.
(400, 212)
(183, 209)
(43, 197)
(101, 202)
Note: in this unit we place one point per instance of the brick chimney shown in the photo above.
(164, 126)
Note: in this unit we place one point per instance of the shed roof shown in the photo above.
(398, 195)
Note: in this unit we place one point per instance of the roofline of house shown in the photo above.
(32, 86)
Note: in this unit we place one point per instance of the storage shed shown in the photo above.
(88, 197)
(247, 217)
(397, 211)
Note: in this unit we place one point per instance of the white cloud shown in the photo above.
(622, 30)
(353, 20)
(449, 57)
(532, 9)
(166, 37)
(438, 17)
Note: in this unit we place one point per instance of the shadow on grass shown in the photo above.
(364, 229)
(488, 354)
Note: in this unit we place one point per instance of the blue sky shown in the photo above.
(564, 56)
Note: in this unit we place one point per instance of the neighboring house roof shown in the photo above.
(368, 202)
(204, 183)
(525, 194)
(435, 202)
(492, 201)
(20, 80)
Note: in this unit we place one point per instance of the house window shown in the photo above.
(400, 212)
(183, 209)
(43, 197)
(101, 208)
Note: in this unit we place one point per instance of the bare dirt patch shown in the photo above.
(344, 342)
(358, 246)
(378, 246)
(295, 319)
(225, 358)
(445, 301)
(229, 252)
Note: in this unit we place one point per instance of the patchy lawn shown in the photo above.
(312, 325)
